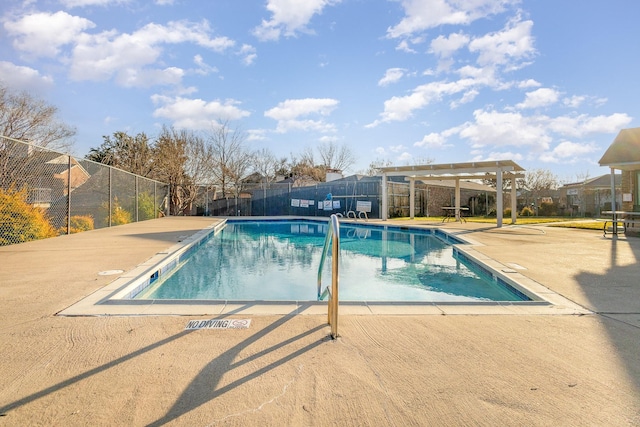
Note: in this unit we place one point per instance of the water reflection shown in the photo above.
(279, 261)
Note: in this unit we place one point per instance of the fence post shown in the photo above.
(69, 195)
(110, 194)
(136, 204)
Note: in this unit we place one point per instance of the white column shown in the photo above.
(385, 203)
(613, 201)
(514, 199)
(499, 207)
(457, 199)
(412, 198)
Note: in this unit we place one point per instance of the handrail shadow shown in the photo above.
(202, 388)
(77, 378)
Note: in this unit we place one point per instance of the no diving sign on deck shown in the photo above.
(218, 324)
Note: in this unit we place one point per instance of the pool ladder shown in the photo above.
(333, 236)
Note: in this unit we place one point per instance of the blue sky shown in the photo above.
(545, 83)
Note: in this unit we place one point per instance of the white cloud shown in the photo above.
(400, 108)
(536, 133)
(43, 34)
(289, 17)
(248, 54)
(203, 68)
(568, 151)
(396, 148)
(583, 124)
(574, 101)
(542, 97)
(196, 113)
(256, 134)
(421, 15)
(467, 97)
(507, 47)
(525, 84)
(444, 47)
(498, 155)
(404, 46)
(432, 140)
(289, 114)
(492, 128)
(405, 157)
(391, 76)
(328, 139)
(101, 56)
(130, 58)
(83, 3)
(23, 78)
(150, 77)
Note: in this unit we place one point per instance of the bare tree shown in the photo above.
(182, 159)
(267, 165)
(375, 165)
(336, 157)
(538, 182)
(231, 158)
(303, 167)
(28, 119)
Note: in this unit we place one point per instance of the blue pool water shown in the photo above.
(278, 261)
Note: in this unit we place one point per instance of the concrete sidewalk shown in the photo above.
(464, 369)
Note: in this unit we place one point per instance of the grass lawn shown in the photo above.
(586, 223)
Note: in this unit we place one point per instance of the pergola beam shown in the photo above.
(500, 169)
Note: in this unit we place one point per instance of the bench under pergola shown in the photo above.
(498, 170)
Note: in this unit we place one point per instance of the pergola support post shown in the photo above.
(499, 207)
(385, 203)
(613, 201)
(412, 198)
(457, 199)
(514, 199)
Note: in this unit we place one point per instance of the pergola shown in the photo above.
(498, 170)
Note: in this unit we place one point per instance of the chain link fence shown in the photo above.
(44, 193)
(351, 194)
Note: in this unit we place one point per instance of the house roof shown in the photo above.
(602, 181)
(624, 152)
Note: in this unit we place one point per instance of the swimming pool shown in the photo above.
(277, 260)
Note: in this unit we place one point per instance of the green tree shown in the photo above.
(130, 153)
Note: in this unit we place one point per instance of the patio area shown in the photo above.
(467, 366)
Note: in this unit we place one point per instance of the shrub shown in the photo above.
(80, 223)
(119, 215)
(526, 211)
(547, 209)
(20, 221)
(507, 212)
(146, 206)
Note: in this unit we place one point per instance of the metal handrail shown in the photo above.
(333, 235)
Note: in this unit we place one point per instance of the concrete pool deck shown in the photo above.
(465, 366)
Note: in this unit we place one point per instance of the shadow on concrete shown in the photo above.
(203, 387)
(68, 382)
(166, 236)
(615, 296)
